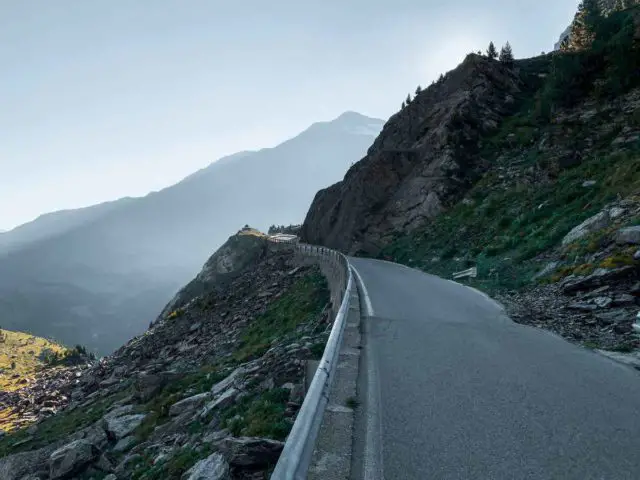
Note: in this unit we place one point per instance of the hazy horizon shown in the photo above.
(104, 100)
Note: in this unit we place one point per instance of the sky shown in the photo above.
(103, 99)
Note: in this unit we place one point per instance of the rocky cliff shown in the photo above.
(424, 159)
(530, 173)
(209, 391)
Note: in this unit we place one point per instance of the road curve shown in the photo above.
(459, 391)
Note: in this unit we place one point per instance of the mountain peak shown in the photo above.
(354, 123)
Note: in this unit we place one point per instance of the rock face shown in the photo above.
(597, 222)
(232, 258)
(71, 458)
(629, 235)
(214, 467)
(188, 403)
(251, 452)
(425, 156)
(120, 427)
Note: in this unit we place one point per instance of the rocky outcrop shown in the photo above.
(590, 225)
(43, 395)
(214, 467)
(238, 253)
(119, 427)
(71, 458)
(426, 155)
(591, 293)
(251, 452)
(629, 235)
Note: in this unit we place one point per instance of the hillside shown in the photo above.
(22, 355)
(223, 372)
(34, 376)
(99, 276)
(498, 166)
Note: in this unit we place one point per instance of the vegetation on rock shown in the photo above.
(22, 355)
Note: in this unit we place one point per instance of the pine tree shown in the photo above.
(408, 100)
(403, 105)
(441, 78)
(418, 90)
(491, 51)
(506, 54)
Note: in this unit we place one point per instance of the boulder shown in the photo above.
(227, 382)
(214, 467)
(22, 464)
(624, 299)
(603, 302)
(120, 427)
(590, 225)
(104, 464)
(250, 452)
(628, 235)
(222, 401)
(616, 212)
(582, 306)
(94, 434)
(613, 317)
(189, 403)
(148, 385)
(118, 411)
(601, 276)
(72, 458)
(124, 444)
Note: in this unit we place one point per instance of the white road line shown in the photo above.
(367, 300)
(372, 465)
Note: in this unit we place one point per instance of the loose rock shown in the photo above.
(71, 458)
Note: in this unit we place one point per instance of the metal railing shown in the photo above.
(298, 450)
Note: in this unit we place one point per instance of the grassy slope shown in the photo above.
(258, 414)
(24, 350)
(504, 231)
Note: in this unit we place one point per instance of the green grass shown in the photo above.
(301, 303)
(173, 468)
(317, 350)
(27, 353)
(157, 409)
(262, 415)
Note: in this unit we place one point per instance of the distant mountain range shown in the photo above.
(98, 275)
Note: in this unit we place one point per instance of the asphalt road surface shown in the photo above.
(453, 389)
